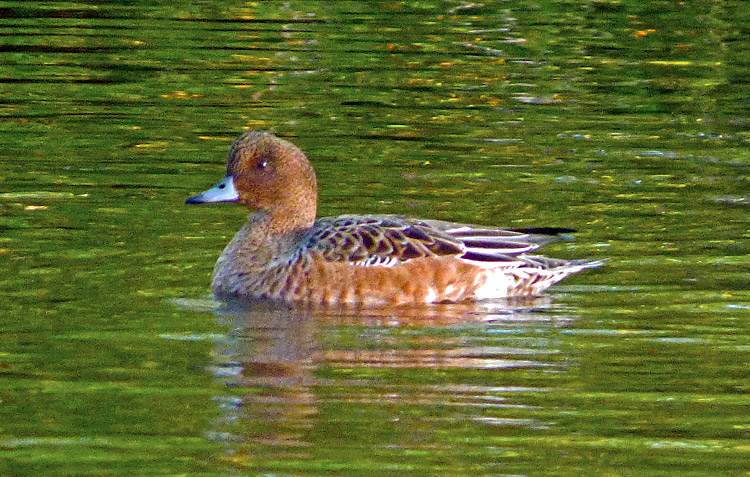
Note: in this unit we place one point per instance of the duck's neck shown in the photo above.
(256, 244)
(284, 220)
(283, 226)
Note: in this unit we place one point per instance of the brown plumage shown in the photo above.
(284, 253)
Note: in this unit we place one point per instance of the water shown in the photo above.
(626, 120)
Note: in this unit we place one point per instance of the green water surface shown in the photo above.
(627, 120)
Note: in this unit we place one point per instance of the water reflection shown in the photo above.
(628, 120)
(269, 356)
(403, 374)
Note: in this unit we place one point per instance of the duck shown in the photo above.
(285, 253)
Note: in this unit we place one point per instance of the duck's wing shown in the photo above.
(488, 244)
(372, 240)
(377, 240)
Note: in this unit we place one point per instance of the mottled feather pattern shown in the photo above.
(386, 240)
(375, 241)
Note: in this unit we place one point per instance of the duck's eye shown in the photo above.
(263, 164)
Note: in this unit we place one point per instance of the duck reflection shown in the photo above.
(298, 376)
(267, 361)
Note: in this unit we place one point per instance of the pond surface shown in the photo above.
(629, 121)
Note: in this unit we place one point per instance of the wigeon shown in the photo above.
(284, 253)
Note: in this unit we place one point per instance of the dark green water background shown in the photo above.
(627, 120)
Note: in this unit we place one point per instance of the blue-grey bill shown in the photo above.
(224, 191)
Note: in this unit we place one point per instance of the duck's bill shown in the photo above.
(224, 191)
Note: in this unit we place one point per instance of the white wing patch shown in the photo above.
(431, 296)
(377, 261)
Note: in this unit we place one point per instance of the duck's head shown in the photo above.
(268, 174)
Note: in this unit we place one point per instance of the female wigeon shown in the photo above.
(284, 253)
